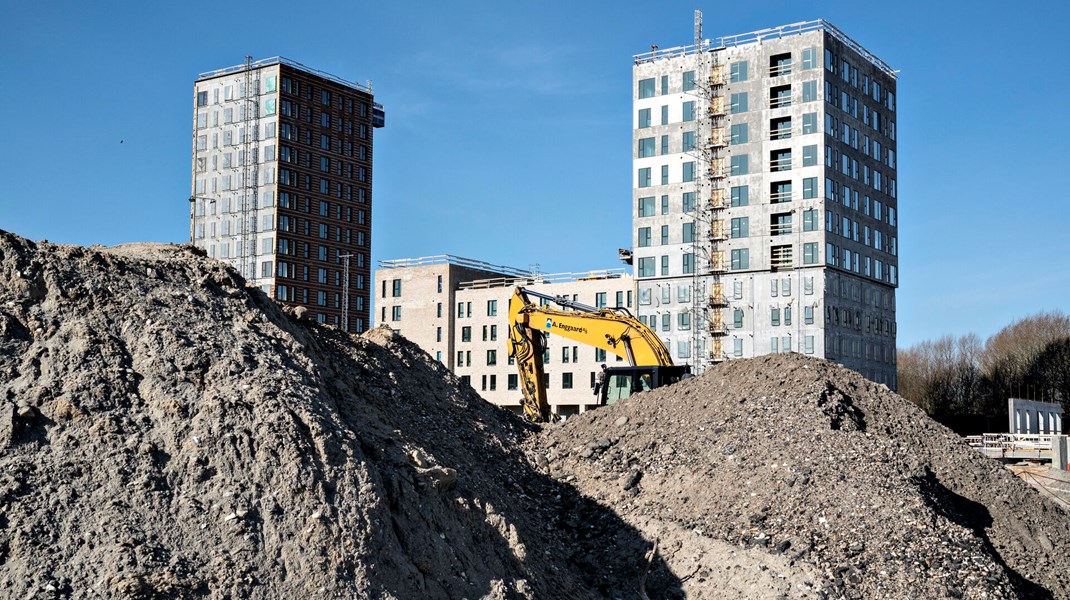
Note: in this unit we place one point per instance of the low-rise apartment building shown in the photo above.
(457, 309)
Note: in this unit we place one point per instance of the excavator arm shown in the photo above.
(611, 329)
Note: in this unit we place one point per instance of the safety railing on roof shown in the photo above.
(460, 261)
(761, 35)
(274, 60)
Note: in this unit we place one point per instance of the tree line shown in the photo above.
(964, 383)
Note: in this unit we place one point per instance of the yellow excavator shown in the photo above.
(614, 330)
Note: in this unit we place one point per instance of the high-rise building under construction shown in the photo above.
(282, 183)
(764, 197)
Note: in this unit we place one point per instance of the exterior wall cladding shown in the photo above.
(282, 183)
(458, 311)
(764, 198)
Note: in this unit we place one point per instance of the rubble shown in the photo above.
(166, 431)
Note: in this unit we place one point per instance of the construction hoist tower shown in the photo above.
(708, 298)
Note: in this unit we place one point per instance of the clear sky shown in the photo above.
(508, 134)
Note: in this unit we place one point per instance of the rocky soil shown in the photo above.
(167, 432)
(860, 492)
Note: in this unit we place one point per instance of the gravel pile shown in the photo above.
(858, 491)
(167, 432)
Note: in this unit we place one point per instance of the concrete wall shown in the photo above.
(1032, 416)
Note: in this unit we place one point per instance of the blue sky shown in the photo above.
(508, 127)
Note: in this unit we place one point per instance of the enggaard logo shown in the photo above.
(549, 323)
(567, 327)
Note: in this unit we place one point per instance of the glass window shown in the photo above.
(689, 110)
(739, 133)
(646, 268)
(665, 115)
(741, 258)
(689, 81)
(740, 195)
(665, 205)
(688, 142)
(664, 174)
(809, 58)
(689, 202)
(689, 171)
(665, 267)
(646, 88)
(644, 177)
(810, 253)
(664, 144)
(738, 71)
(689, 233)
(644, 118)
(810, 219)
(689, 263)
(740, 164)
(646, 147)
(643, 237)
(740, 227)
(646, 207)
(664, 235)
(809, 91)
(664, 84)
(739, 103)
(809, 156)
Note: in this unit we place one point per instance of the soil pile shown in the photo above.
(167, 432)
(842, 487)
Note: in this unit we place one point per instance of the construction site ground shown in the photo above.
(168, 432)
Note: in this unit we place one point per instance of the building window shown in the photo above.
(202, 98)
(492, 308)
(466, 333)
(566, 381)
(740, 227)
(689, 110)
(646, 266)
(689, 233)
(740, 259)
(740, 195)
(646, 88)
(664, 174)
(644, 177)
(683, 321)
(689, 202)
(646, 147)
(737, 318)
(739, 134)
(689, 263)
(689, 171)
(396, 288)
(810, 253)
(643, 238)
(646, 207)
(689, 81)
(809, 187)
(810, 218)
(688, 141)
(809, 59)
(739, 165)
(809, 156)
(738, 103)
(492, 357)
(644, 118)
(738, 71)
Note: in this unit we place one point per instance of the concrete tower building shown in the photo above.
(765, 199)
(282, 183)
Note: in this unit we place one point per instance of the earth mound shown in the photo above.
(853, 490)
(167, 432)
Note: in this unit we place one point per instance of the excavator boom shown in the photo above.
(614, 330)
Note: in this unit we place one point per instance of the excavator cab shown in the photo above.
(622, 382)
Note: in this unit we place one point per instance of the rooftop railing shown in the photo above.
(276, 60)
(761, 35)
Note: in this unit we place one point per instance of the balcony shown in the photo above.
(781, 258)
(780, 96)
(780, 64)
(780, 160)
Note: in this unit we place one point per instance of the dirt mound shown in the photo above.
(167, 432)
(856, 492)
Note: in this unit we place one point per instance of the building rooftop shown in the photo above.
(756, 37)
(277, 60)
(510, 275)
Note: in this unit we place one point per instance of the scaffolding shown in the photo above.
(251, 169)
(708, 300)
